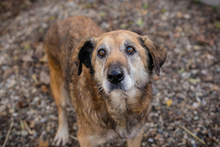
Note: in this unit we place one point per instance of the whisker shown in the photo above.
(99, 87)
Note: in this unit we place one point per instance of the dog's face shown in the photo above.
(121, 60)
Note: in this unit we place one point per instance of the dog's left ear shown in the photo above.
(157, 52)
(84, 55)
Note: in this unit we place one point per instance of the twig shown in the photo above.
(188, 131)
(9, 131)
(73, 137)
(34, 78)
(26, 126)
(22, 124)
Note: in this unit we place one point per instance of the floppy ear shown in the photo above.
(157, 52)
(84, 55)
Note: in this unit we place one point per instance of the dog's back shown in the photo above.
(66, 35)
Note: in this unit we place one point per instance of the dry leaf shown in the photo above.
(34, 78)
(215, 88)
(32, 124)
(169, 102)
(44, 78)
(7, 73)
(39, 48)
(27, 58)
(155, 78)
(44, 59)
(43, 144)
(44, 88)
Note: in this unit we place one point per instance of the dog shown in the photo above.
(107, 78)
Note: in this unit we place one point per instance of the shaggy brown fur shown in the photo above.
(106, 107)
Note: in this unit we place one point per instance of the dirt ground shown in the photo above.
(186, 95)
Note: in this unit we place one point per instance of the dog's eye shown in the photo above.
(130, 50)
(102, 52)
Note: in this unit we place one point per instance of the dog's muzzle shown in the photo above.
(115, 74)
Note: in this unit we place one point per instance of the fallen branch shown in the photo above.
(7, 136)
(188, 131)
(73, 137)
(26, 126)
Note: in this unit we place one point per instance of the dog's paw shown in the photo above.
(62, 136)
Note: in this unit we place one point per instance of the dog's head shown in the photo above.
(121, 60)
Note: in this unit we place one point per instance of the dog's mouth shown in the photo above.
(116, 86)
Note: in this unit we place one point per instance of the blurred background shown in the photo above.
(186, 101)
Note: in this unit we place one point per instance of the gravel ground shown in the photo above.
(187, 94)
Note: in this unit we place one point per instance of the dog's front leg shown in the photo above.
(135, 142)
(86, 141)
(88, 137)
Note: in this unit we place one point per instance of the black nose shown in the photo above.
(115, 75)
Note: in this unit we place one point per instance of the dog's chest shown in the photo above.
(128, 133)
(121, 132)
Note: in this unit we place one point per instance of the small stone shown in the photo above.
(196, 118)
(44, 77)
(160, 131)
(196, 47)
(157, 137)
(36, 99)
(195, 105)
(193, 142)
(151, 140)
(188, 47)
(179, 14)
(11, 84)
(43, 120)
(204, 102)
(104, 25)
(155, 78)
(215, 88)
(186, 85)
(187, 16)
(48, 128)
(2, 108)
(92, 13)
(15, 114)
(33, 90)
(181, 96)
(143, 143)
(44, 88)
(32, 124)
(24, 133)
(207, 78)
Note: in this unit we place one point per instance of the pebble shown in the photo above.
(24, 133)
(143, 144)
(160, 131)
(2, 108)
(196, 47)
(195, 104)
(104, 25)
(43, 120)
(187, 16)
(15, 114)
(204, 102)
(151, 140)
(196, 118)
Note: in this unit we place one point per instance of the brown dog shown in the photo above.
(107, 77)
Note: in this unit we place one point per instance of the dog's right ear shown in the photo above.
(85, 53)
